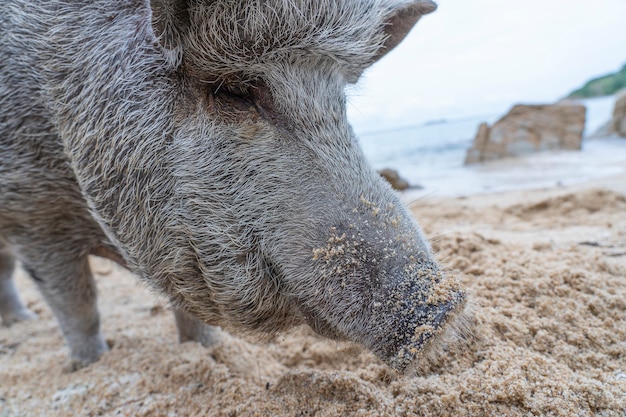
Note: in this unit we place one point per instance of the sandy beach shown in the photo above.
(546, 273)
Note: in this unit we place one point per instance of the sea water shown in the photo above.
(432, 154)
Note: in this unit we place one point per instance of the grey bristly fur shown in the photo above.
(205, 146)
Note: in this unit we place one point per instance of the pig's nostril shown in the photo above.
(420, 336)
(442, 313)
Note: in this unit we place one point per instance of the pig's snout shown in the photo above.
(386, 292)
(422, 322)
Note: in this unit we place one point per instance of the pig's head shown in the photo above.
(260, 211)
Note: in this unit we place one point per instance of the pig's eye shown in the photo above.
(224, 99)
(233, 94)
(235, 91)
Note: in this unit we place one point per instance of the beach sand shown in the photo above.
(546, 273)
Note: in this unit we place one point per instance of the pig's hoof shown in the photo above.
(86, 354)
(206, 335)
(22, 314)
(73, 365)
(191, 329)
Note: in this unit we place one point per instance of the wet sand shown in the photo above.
(546, 273)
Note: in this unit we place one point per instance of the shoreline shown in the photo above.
(600, 159)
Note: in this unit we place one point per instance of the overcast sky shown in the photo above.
(474, 57)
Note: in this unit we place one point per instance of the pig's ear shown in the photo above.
(170, 20)
(400, 22)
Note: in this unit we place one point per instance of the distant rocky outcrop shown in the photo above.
(618, 122)
(527, 129)
(393, 178)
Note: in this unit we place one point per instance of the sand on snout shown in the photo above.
(546, 273)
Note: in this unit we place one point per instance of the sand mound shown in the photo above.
(585, 202)
(547, 278)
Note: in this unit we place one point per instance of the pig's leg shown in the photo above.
(11, 307)
(192, 329)
(69, 288)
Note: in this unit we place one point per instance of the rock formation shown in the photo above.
(618, 123)
(393, 178)
(527, 129)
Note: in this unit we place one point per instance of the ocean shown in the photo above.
(430, 155)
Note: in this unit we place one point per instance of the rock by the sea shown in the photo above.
(393, 178)
(527, 129)
(618, 123)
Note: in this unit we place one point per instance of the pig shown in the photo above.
(204, 145)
